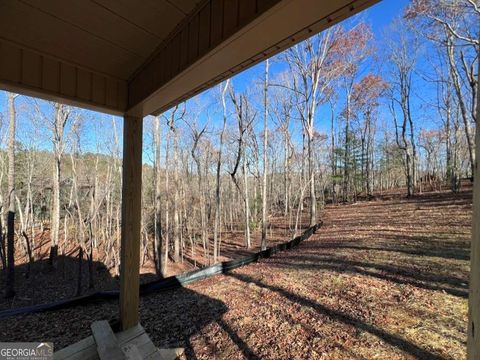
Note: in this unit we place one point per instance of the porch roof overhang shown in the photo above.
(144, 57)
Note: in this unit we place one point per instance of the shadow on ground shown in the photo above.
(387, 276)
(39, 282)
(335, 315)
(170, 317)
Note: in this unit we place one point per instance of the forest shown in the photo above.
(347, 115)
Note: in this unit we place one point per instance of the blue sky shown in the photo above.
(378, 16)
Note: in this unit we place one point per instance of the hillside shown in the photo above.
(381, 279)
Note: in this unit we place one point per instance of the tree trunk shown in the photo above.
(463, 108)
(311, 172)
(265, 162)
(158, 243)
(217, 184)
(176, 220)
(61, 114)
(247, 205)
(285, 175)
(167, 204)
(346, 165)
(10, 285)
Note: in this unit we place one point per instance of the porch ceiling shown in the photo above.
(108, 36)
(119, 55)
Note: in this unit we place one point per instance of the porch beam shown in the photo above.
(224, 37)
(131, 216)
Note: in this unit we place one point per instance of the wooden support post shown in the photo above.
(131, 215)
(473, 343)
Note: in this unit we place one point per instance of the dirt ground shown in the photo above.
(385, 279)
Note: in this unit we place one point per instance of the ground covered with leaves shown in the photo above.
(385, 279)
(42, 283)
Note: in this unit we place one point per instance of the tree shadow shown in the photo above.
(39, 282)
(449, 284)
(435, 199)
(172, 317)
(175, 317)
(457, 253)
(247, 352)
(391, 339)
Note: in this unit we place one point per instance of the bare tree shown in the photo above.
(402, 53)
(57, 127)
(196, 138)
(244, 122)
(176, 216)
(452, 24)
(265, 161)
(311, 67)
(217, 179)
(158, 243)
(282, 108)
